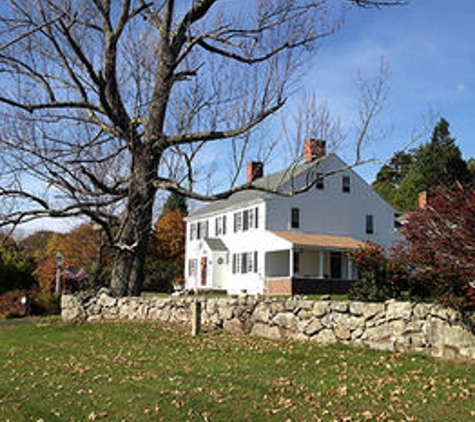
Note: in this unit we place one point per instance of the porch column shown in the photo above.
(321, 262)
(349, 266)
(291, 263)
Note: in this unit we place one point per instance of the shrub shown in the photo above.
(44, 303)
(160, 275)
(379, 278)
(11, 305)
(16, 269)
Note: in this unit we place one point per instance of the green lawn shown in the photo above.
(147, 372)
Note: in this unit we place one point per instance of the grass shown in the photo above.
(148, 372)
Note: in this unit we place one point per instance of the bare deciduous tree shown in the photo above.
(107, 102)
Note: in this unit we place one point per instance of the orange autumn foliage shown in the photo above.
(45, 273)
(169, 236)
(79, 244)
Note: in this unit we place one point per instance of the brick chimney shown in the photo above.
(255, 170)
(314, 149)
(423, 200)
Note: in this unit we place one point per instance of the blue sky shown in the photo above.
(430, 48)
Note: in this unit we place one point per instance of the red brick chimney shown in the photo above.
(423, 200)
(314, 149)
(255, 170)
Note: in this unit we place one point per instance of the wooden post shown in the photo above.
(195, 318)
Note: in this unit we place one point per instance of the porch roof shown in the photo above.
(216, 245)
(320, 240)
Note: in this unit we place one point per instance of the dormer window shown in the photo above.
(346, 183)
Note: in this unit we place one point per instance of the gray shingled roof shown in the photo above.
(216, 244)
(273, 181)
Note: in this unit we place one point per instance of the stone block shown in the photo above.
(348, 321)
(372, 310)
(234, 326)
(357, 308)
(447, 314)
(71, 309)
(398, 310)
(340, 307)
(286, 320)
(327, 321)
(325, 336)
(107, 301)
(262, 313)
(342, 333)
(422, 310)
(320, 308)
(265, 330)
(312, 327)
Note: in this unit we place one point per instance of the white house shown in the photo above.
(260, 242)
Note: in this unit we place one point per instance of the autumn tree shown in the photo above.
(81, 244)
(36, 243)
(106, 102)
(166, 256)
(440, 246)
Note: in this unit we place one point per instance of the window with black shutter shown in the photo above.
(346, 184)
(369, 224)
(295, 223)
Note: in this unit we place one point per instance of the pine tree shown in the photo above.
(174, 202)
(438, 162)
(391, 175)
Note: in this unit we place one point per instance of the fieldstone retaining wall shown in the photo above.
(393, 326)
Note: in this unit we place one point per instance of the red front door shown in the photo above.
(204, 270)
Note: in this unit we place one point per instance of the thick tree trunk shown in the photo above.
(136, 222)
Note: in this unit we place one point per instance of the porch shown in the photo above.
(306, 286)
(313, 264)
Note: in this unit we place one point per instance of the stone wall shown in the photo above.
(394, 326)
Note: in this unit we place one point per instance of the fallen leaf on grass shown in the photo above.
(93, 416)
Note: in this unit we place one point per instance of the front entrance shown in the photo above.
(204, 271)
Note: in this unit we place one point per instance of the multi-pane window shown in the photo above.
(246, 220)
(369, 224)
(237, 221)
(193, 231)
(199, 230)
(295, 218)
(192, 267)
(244, 262)
(220, 226)
(202, 229)
(346, 184)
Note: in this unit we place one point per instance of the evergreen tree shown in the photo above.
(438, 162)
(471, 170)
(391, 175)
(174, 202)
(16, 268)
